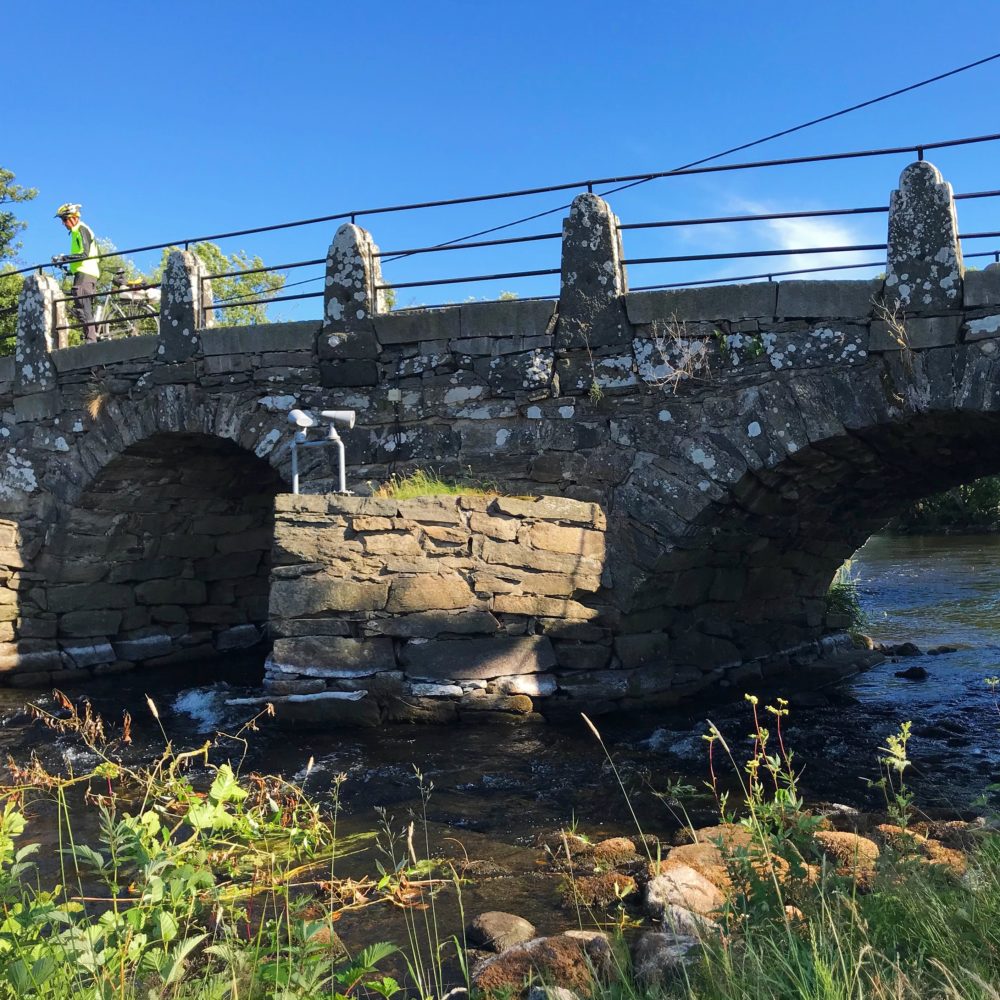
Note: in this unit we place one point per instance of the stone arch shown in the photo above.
(730, 534)
(155, 547)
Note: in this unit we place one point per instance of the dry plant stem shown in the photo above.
(621, 785)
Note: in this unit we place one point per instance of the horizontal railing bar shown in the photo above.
(262, 270)
(471, 277)
(732, 279)
(469, 246)
(110, 292)
(755, 253)
(977, 194)
(110, 321)
(551, 188)
(257, 302)
(751, 218)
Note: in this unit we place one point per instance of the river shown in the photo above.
(496, 786)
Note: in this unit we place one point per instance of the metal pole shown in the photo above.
(295, 464)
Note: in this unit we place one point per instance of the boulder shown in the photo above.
(682, 886)
(498, 931)
(660, 956)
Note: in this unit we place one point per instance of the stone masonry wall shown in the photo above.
(455, 608)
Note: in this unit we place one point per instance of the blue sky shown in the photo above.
(188, 119)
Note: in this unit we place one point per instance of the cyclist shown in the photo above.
(83, 265)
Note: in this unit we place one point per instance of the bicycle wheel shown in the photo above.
(125, 316)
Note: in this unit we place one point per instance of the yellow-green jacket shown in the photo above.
(83, 247)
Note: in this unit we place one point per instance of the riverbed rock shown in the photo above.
(682, 886)
(901, 649)
(932, 852)
(598, 891)
(914, 673)
(660, 956)
(853, 855)
(498, 931)
(556, 961)
(684, 922)
(615, 851)
(941, 650)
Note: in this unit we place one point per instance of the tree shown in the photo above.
(10, 284)
(237, 289)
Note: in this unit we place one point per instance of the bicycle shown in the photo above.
(128, 308)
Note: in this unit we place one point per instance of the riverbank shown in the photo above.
(186, 878)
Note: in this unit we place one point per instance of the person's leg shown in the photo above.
(83, 306)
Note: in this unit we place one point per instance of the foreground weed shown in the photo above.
(204, 883)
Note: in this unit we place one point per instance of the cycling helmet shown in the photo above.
(68, 209)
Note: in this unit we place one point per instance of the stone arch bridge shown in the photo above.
(709, 457)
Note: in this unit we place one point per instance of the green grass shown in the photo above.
(426, 482)
(842, 598)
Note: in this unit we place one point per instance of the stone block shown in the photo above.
(348, 373)
(827, 299)
(530, 373)
(144, 647)
(921, 332)
(297, 336)
(104, 352)
(287, 685)
(145, 569)
(313, 595)
(582, 655)
(431, 624)
(552, 607)
(228, 566)
(507, 318)
(982, 288)
(558, 538)
(176, 591)
(715, 302)
(551, 508)
(353, 345)
(595, 685)
(331, 656)
(414, 325)
(90, 623)
(522, 557)
(533, 685)
(642, 649)
(89, 654)
(432, 510)
(983, 328)
(285, 628)
(37, 407)
(226, 364)
(429, 593)
(83, 597)
(477, 659)
(327, 709)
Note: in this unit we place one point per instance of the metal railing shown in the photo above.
(472, 243)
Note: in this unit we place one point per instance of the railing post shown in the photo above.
(924, 272)
(39, 315)
(352, 299)
(184, 298)
(594, 282)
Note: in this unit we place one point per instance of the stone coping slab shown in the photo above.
(105, 352)
(715, 302)
(298, 336)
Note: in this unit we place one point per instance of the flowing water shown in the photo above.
(496, 787)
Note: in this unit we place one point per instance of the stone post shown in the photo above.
(184, 297)
(593, 285)
(39, 315)
(924, 257)
(352, 297)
